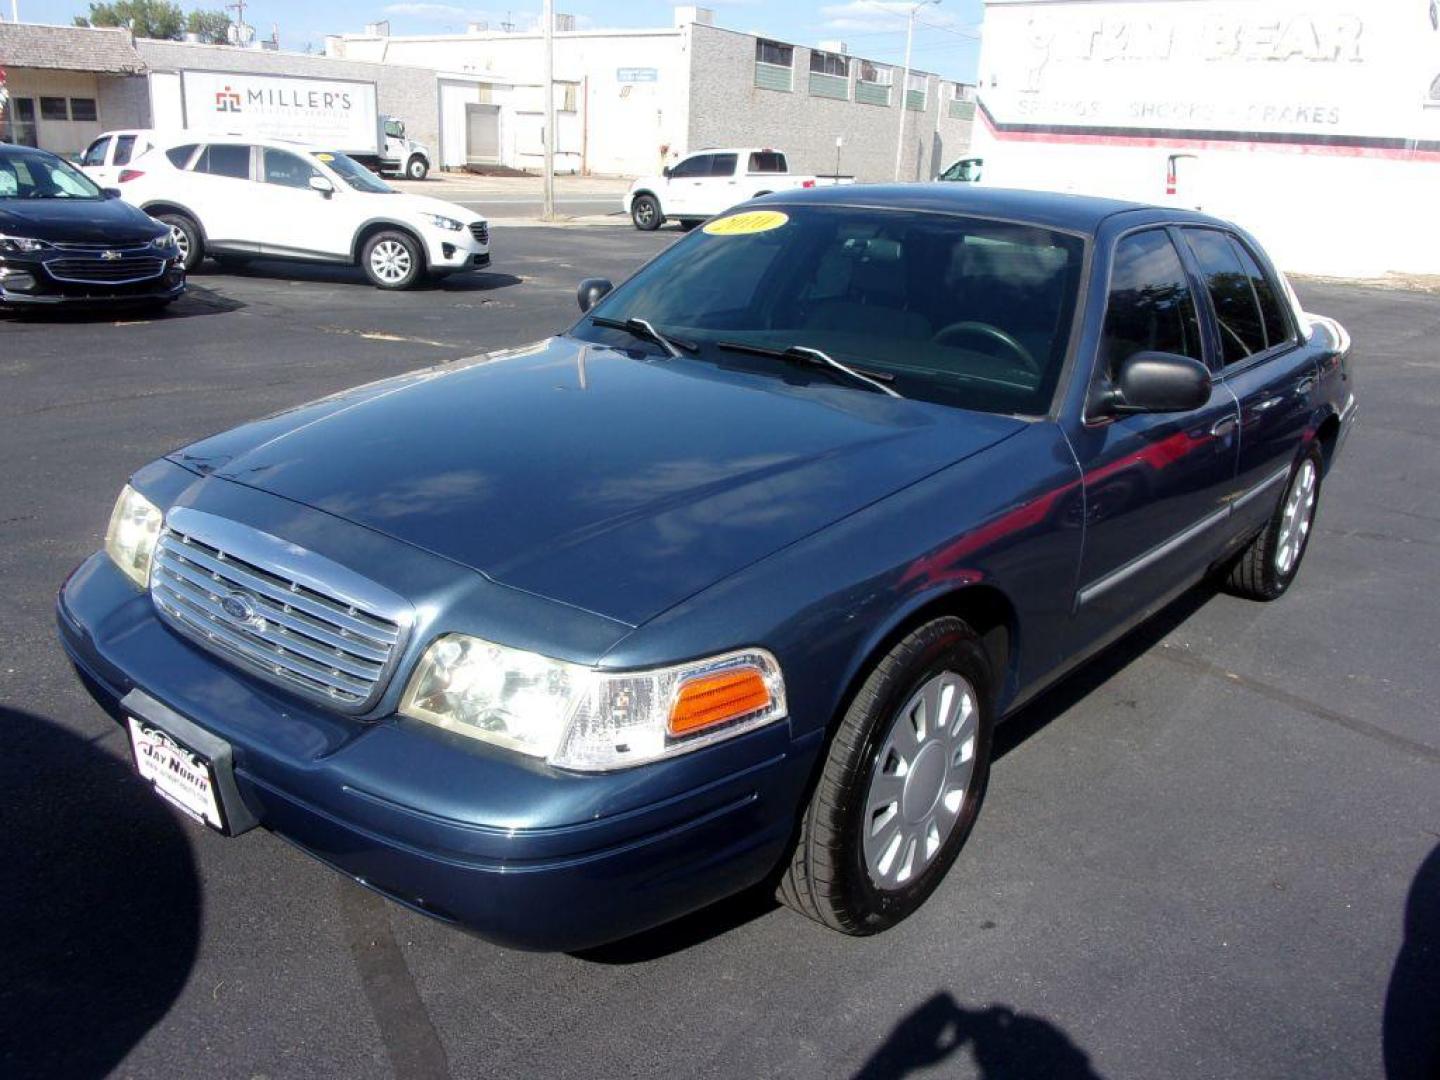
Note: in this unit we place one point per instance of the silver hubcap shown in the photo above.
(181, 241)
(1299, 512)
(645, 213)
(920, 779)
(390, 260)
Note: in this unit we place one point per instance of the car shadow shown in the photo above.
(1004, 1044)
(198, 300)
(99, 900)
(1412, 1001)
(333, 274)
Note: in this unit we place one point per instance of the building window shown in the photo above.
(915, 91)
(83, 108)
(53, 108)
(829, 75)
(773, 63)
(17, 123)
(873, 87)
(960, 101)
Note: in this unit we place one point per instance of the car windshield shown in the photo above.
(353, 173)
(963, 311)
(34, 174)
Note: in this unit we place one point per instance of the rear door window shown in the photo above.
(1150, 307)
(1272, 313)
(180, 155)
(124, 148)
(95, 152)
(225, 160)
(722, 164)
(1237, 311)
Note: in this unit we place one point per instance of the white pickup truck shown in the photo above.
(710, 181)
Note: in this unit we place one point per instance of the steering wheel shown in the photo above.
(980, 329)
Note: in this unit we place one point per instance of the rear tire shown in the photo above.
(392, 260)
(1265, 569)
(187, 238)
(897, 796)
(417, 168)
(645, 213)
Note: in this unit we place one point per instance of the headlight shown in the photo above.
(130, 539)
(441, 222)
(21, 243)
(163, 241)
(579, 718)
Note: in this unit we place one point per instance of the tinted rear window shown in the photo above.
(767, 161)
(124, 148)
(1242, 332)
(232, 161)
(179, 155)
(722, 165)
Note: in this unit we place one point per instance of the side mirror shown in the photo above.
(1156, 382)
(110, 192)
(665, 172)
(322, 185)
(591, 291)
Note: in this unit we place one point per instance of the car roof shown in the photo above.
(1052, 209)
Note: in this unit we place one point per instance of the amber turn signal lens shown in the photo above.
(715, 699)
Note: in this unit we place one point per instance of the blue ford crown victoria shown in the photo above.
(730, 582)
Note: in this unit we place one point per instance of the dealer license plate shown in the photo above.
(178, 774)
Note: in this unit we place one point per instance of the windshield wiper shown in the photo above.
(803, 354)
(643, 330)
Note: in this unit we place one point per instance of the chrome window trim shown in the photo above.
(1108, 581)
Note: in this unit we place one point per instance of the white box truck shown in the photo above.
(339, 114)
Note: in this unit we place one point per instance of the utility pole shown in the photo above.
(14, 11)
(905, 84)
(547, 14)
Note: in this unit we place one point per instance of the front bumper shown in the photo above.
(523, 854)
(463, 250)
(54, 277)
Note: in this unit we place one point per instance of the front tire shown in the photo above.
(645, 213)
(417, 168)
(901, 786)
(392, 260)
(187, 238)
(1266, 568)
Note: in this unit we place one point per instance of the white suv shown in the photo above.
(238, 199)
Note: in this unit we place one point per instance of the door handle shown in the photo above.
(1267, 404)
(1223, 426)
(1305, 385)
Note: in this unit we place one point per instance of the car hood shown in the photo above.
(424, 204)
(101, 222)
(609, 481)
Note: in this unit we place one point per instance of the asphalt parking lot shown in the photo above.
(1214, 853)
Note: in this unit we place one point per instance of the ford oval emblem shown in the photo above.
(239, 607)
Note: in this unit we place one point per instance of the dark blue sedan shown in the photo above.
(729, 583)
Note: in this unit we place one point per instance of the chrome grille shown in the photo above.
(480, 230)
(286, 626)
(103, 271)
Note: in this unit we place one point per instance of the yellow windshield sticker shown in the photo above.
(325, 157)
(744, 224)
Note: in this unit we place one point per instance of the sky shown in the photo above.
(946, 34)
